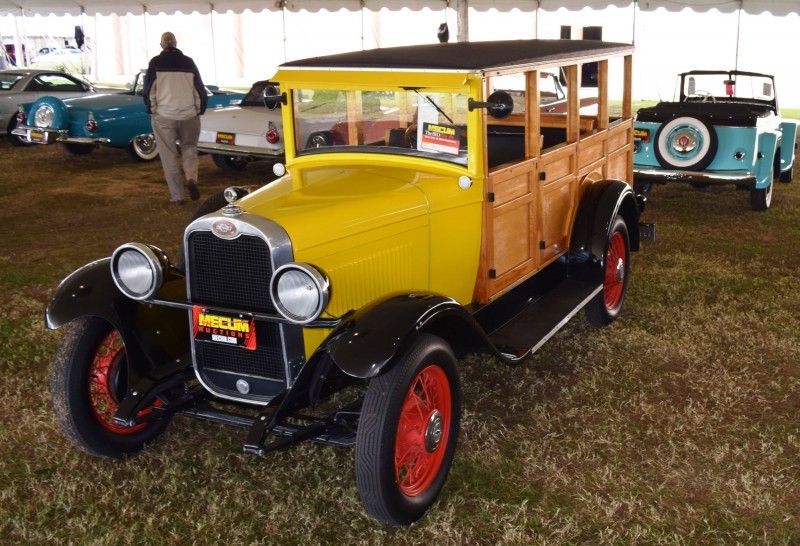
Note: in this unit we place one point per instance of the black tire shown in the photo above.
(761, 199)
(90, 377)
(389, 492)
(14, 139)
(786, 176)
(78, 149)
(688, 126)
(606, 306)
(229, 162)
(143, 148)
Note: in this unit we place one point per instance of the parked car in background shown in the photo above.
(119, 120)
(24, 85)
(68, 59)
(420, 215)
(236, 135)
(725, 128)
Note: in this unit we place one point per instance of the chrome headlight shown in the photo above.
(138, 270)
(300, 292)
(43, 117)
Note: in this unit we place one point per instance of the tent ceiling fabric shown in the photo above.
(108, 7)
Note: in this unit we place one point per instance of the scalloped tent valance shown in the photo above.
(108, 7)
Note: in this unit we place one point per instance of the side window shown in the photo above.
(56, 82)
(505, 136)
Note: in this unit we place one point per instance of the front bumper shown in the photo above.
(39, 135)
(237, 151)
(660, 176)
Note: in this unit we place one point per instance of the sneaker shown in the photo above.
(194, 191)
(178, 202)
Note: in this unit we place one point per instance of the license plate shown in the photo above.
(642, 134)
(35, 135)
(226, 138)
(233, 329)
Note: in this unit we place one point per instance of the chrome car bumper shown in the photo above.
(238, 151)
(662, 177)
(39, 135)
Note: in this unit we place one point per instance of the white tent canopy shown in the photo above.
(236, 42)
(122, 7)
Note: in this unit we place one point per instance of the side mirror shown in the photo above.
(499, 105)
(273, 98)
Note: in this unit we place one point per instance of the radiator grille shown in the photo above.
(230, 273)
(236, 274)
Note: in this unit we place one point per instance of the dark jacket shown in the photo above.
(173, 87)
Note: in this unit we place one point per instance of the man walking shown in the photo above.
(175, 97)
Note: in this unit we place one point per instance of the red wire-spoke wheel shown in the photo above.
(616, 270)
(91, 375)
(106, 376)
(407, 432)
(424, 426)
(606, 306)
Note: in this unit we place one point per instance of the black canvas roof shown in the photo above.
(464, 56)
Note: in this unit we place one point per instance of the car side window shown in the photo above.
(54, 82)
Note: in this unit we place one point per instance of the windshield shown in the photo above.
(728, 86)
(415, 122)
(8, 80)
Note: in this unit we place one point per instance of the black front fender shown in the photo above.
(371, 340)
(152, 334)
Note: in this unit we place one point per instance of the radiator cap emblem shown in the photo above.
(242, 386)
(224, 228)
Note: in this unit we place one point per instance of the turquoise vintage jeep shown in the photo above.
(724, 129)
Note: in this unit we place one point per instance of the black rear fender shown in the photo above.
(152, 334)
(600, 204)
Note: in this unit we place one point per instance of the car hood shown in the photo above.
(334, 203)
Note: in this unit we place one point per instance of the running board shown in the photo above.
(542, 318)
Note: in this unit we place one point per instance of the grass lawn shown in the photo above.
(676, 424)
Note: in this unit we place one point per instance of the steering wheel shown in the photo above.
(705, 95)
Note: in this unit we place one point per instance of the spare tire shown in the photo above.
(686, 144)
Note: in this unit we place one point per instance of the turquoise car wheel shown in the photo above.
(686, 143)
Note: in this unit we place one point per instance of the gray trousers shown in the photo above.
(168, 133)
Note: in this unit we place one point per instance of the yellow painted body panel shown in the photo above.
(376, 227)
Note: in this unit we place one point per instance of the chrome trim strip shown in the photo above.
(234, 150)
(280, 247)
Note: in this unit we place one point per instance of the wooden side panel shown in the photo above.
(620, 151)
(511, 230)
(591, 148)
(558, 187)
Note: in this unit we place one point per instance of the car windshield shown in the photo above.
(8, 81)
(414, 121)
(728, 86)
(255, 97)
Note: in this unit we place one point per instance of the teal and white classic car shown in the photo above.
(119, 120)
(725, 128)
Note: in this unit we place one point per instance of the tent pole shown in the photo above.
(213, 43)
(635, 6)
(738, 30)
(463, 20)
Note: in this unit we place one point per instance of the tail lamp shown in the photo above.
(91, 124)
(272, 134)
(21, 117)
